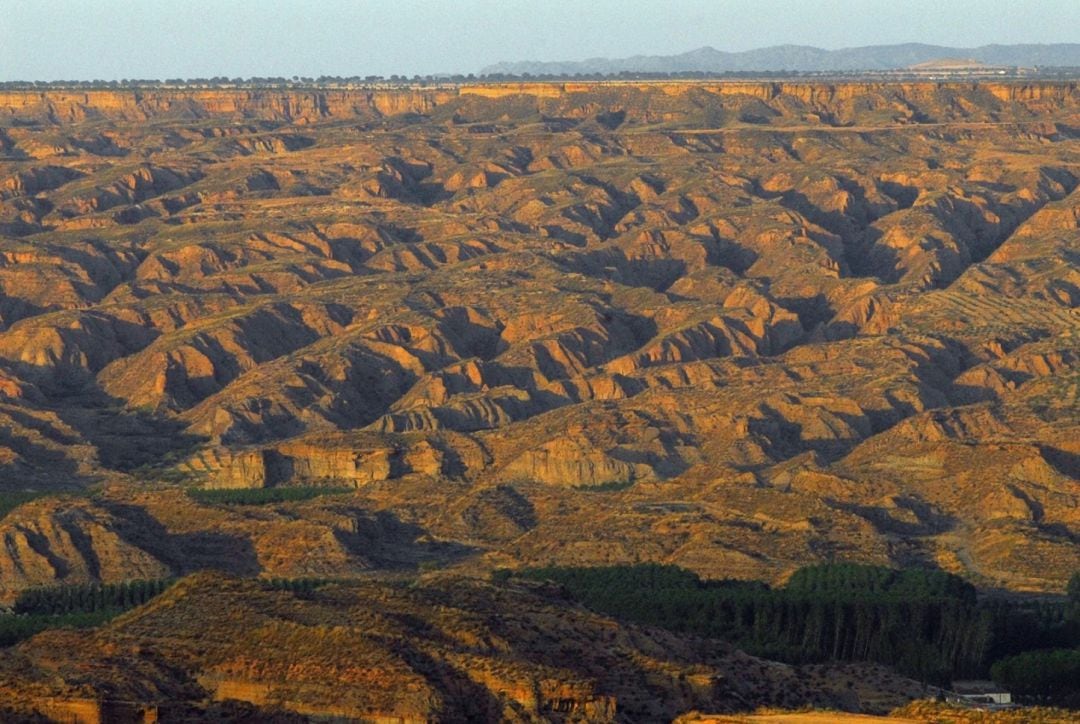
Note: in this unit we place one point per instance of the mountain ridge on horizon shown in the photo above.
(793, 57)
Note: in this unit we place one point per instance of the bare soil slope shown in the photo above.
(738, 327)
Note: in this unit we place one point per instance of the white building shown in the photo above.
(984, 693)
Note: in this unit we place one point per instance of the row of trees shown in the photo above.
(88, 597)
(376, 80)
(74, 606)
(297, 585)
(926, 624)
(93, 604)
(14, 629)
(261, 496)
(91, 597)
(849, 579)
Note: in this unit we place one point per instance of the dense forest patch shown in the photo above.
(929, 625)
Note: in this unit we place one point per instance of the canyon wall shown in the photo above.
(75, 106)
(68, 106)
(1068, 92)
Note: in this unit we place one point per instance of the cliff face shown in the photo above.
(862, 104)
(297, 106)
(1066, 92)
(932, 99)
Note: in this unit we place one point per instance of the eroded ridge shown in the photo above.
(739, 327)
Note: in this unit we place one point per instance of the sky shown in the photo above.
(116, 39)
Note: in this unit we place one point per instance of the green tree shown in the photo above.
(1073, 592)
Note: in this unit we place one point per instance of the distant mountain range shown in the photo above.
(803, 58)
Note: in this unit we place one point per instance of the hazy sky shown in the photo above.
(113, 39)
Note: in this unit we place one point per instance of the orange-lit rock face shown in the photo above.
(735, 326)
(295, 106)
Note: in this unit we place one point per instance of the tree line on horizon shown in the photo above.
(332, 81)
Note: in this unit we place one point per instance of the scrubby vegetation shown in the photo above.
(937, 711)
(928, 624)
(9, 500)
(260, 496)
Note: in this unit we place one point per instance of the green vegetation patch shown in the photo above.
(608, 487)
(261, 496)
(88, 597)
(301, 586)
(929, 625)
(74, 606)
(849, 579)
(1051, 675)
(14, 629)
